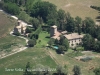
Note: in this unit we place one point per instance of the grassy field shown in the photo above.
(6, 25)
(78, 7)
(69, 60)
(43, 39)
(35, 56)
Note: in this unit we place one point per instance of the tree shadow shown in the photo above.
(98, 17)
(98, 20)
(59, 52)
(58, 74)
(47, 37)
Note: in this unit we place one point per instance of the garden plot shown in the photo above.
(88, 55)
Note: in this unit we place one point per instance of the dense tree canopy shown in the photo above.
(32, 42)
(63, 44)
(70, 25)
(11, 8)
(88, 42)
(35, 22)
(44, 9)
(97, 71)
(61, 19)
(18, 2)
(77, 70)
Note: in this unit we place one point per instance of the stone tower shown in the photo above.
(53, 30)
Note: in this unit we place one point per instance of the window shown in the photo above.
(72, 44)
(77, 44)
(79, 39)
(75, 40)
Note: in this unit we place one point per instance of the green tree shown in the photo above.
(29, 5)
(44, 9)
(98, 37)
(97, 46)
(56, 41)
(11, 8)
(78, 22)
(51, 41)
(61, 19)
(1, 4)
(66, 44)
(97, 71)
(24, 16)
(61, 39)
(27, 68)
(88, 23)
(70, 25)
(88, 42)
(32, 42)
(77, 70)
(60, 49)
(28, 30)
(61, 70)
(35, 22)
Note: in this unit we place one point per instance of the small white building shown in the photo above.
(20, 27)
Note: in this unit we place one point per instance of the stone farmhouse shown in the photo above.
(20, 27)
(73, 38)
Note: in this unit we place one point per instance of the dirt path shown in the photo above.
(48, 52)
(20, 49)
(15, 50)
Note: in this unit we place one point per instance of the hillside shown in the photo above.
(8, 42)
(6, 24)
(78, 7)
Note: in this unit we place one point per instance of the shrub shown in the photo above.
(86, 59)
(31, 43)
(17, 34)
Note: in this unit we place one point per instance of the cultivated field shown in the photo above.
(69, 60)
(78, 7)
(36, 57)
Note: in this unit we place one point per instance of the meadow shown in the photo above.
(36, 57)
(69, 60)
(79, 8)
(7, 41)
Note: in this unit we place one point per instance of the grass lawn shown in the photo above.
(35, 56)
(43, 39)
(78, 7)
(69, 60)
(9, 38)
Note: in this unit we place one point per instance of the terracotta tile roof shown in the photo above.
(56, 35)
